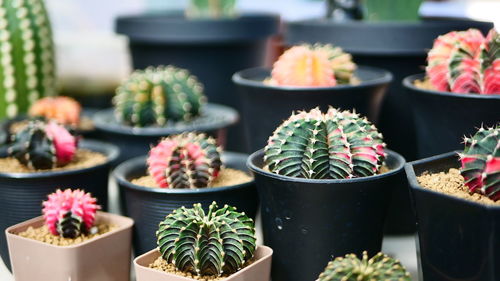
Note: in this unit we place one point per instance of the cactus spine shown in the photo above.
(27, 70)
(211, 9)
(209, 244)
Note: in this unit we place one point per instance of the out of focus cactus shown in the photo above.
(211, 9)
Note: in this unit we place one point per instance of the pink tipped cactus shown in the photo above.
(70, 213)
(188, 160)
(465, 62)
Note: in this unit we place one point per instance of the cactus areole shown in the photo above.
(218, 242)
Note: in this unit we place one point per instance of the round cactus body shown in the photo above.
(332, 145)
(211, 9)
(481, 162)
(153, 96)
(64, 110)
(43, 145)
(70, 213)
(351, 268)
(187, 160)
(209, 244)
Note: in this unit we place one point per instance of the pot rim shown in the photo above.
(413, 183)
(120, 172)
(258, 170)
(111, 151)
(409, 80)
(238, 78)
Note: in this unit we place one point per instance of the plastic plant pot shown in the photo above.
(457, 238)
(307, 222)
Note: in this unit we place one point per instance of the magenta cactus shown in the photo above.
(70, 213)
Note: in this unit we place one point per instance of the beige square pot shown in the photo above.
(259, 270)
(103, 258)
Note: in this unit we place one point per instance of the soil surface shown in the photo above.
(43, 234)
(424, 84)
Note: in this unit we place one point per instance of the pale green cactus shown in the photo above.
(211, 9)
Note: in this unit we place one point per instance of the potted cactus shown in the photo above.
(462, 79)
(157, 102)
(456, 198)
(182, 169)
(324, 179)
(304, 77)
(71, 241)
(42, 157)
(213, 245)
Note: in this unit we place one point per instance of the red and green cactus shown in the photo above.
(218, 242)
(465, 62)
(211, 9)
(70, 213)
(481, 162)
(43, 145)
(64, 110)
(188, 160)
(332, 145)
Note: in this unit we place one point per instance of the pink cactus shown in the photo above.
(65, 144)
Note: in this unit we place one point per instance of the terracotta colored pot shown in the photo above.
(259, 270)
(104, 258)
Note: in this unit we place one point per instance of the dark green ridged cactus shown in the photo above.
(350, 268)
(207, 244)
(332, 145)
(211, 9)
(156, 95)
(27, 69)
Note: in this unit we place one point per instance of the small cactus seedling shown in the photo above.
(209, 244)
(70, 213)
(42, 145)
(211, 9)
(465, 62)
(64, 110)
(187, 160)
(156, 95)
(313, 66)
(351, 268)
(332, 145)
(481, 162)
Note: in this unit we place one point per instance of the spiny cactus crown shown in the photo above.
(209, 244)
(188, 160)
(70, 213)
(64, 110)
(465, 62)
(153, 96)
(481, 162)
(313, 66)
(211, 9)
(42, 145)
(332, 145)
(351, 268)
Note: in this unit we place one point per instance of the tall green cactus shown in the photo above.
(27, 70)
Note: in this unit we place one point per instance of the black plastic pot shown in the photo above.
(442, 119)
(137, 141)
(211, 49)
(308, 222)
(21, 194)
(264, 107)
(457, 238)
(149, 206)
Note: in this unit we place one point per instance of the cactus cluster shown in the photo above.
(27, 69)
(313, 66)
(332, 145)
(188, 160)
(70, 213)
(43, 145)
(218, 242)
(465, 62)
(153, 96)
(351, 268)
(211, 9)
(481, 162)
(64, 110)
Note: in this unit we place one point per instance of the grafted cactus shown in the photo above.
(211, 9)
(481, 162)
(156, 95)
(351, 268)
(332, 145)
(188, 160)
(64, 110)
(209, 244)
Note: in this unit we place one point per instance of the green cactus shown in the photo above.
(27, 69)
(156, 95)
(207, 244)
(332, 145)
(351, 268)
(211, 9)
